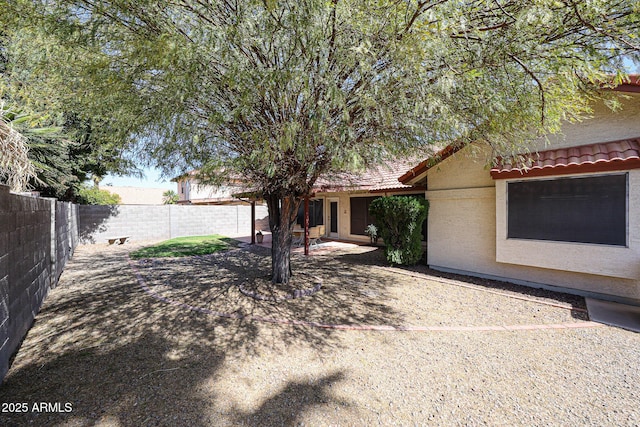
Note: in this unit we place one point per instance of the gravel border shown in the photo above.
(122, 358)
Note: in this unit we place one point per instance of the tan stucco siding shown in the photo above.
(461, 226)
(465, 169)
(191, 190)
(603, 126)
(344, 211)
(463, 236)
(344, 214)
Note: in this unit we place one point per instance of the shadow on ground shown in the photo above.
(119, 357)
(377, 258)
(349, 294)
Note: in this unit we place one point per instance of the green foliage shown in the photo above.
(91, 195)
(66, 140)
(372, 232)
(170, 197)
(186, 246)
(399, 220)
(283, 92)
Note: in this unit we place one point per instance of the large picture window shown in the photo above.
(584, 210)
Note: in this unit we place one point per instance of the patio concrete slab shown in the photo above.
(615, 314)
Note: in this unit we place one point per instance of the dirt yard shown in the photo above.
(175, 342)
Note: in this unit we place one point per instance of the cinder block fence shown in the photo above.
(39, 235)
(157, 222)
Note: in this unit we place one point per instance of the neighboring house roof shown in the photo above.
(381, 178)
(601, 157)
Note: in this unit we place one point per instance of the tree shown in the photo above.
(62, 144)
(170, 197)
(15, 167)
(92, 195)
(282, 92)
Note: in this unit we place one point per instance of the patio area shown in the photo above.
(174, 342)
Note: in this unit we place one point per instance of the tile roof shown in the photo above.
(601, 157)
(632, 84)
(383, 177)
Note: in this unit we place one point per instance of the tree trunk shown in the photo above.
(282, 216)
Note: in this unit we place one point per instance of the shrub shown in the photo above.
(86, 195)
(399, 220)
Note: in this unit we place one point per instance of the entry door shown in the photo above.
(333, 218)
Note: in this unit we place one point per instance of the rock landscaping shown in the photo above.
(176, 342)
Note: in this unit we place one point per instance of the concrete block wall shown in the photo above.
(30, 262)
(203, 220)
(138, 222)
(66, 235)
(152, 222)
(38, 236)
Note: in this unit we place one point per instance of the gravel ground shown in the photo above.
(106, 351)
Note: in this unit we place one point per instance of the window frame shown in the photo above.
(368, 218)
(316, 215)
(570, 177)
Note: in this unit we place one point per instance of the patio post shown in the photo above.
(253, 222)
(306, 225)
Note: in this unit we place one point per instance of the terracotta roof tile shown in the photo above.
(379, 178)
(601, 157)
(632, 84)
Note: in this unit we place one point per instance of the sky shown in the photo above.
(152, 180)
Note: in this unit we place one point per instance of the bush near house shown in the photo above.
(399, 220)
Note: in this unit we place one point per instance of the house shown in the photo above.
(342, 202)
(192, 192)
(570, 221)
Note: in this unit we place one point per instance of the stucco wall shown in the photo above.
(466, 169)
(461, 229)
(344, 214)
(344, 211)
(603, 126)
(191, 190)
(463, 236)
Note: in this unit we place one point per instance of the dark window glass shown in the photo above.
(334, 217)
(360, 216)
(315, 213)
(584, 210)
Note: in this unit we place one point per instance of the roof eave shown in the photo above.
(418, 173)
